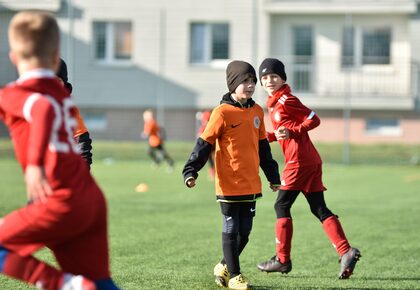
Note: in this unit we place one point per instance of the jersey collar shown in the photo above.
(36, 74)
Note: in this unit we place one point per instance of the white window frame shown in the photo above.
(383, 130)
(110, 44)
(358, 47)
(207, 46)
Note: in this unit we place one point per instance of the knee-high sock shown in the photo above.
(284, 233)
(335, 232)
(230, 253)
(242, 242)
(32, 271)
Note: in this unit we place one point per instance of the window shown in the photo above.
(376, 46)
(112, 41)
(383, 127)
(365, 46)
(95, 120)
(347, 49)
(209, 42)
(303, 53)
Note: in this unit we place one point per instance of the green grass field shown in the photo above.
(170, 237)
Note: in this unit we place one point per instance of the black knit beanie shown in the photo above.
(237, 72)
(272, 66)
(62, 74)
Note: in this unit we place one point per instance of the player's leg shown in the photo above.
(21, 235)
(332, 227)
(165, 156)
(88, 254)
(151, 151)
(281, 262)
(232, 242)
(247, 213)
(330, 222)
(29, 270)
(230, 261)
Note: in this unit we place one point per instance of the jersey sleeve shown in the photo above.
(40, 114)
(214, 127)
(81, 127)
(307, 119)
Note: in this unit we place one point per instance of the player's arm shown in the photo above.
(268, 164)
(309, 117)
(82, 138)
(85, 145)
(203, 148)
(197, 160)
(40, 115)
(271, 137)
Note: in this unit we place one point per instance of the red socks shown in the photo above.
(336, 234)
(32, 271)
(284, 233)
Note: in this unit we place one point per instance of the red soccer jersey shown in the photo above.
(72, 221)
(41, 119)
(286, 110)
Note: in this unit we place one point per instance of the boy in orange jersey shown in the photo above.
(81, 133)
(302, 172)
(68, 210)
(154, 134)
(236, 129)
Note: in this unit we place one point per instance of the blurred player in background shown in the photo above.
(155, 137)
(68, 212)
(81, 133)
(236, 129)
(291, 121)
(204, 118)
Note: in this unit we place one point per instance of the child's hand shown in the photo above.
(37, 187)
(190, 182)
(275, 187)
(282, 133)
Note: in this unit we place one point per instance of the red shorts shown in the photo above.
(72, 225)
(306, 179)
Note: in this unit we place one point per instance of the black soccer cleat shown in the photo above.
(348, 263)
(274, 265)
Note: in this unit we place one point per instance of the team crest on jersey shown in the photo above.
(257, 122)
(277, 117)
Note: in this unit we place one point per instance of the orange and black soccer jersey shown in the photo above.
(237, 132)
(151, 129)
(81, 127)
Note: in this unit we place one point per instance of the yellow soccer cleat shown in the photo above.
(221, 275)
(239, 283)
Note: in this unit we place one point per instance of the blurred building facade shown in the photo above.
(356, 63)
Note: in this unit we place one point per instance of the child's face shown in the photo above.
(272, 83)
(245, 90)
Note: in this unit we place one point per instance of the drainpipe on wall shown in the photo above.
(70, 40)
(347, 105)
(160, 92)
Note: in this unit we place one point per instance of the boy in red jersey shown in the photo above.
(236, 129)
(302, 172)
(68, 210)
(153, 132)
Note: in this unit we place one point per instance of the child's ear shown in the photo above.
(56, 61)
(13, 57)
